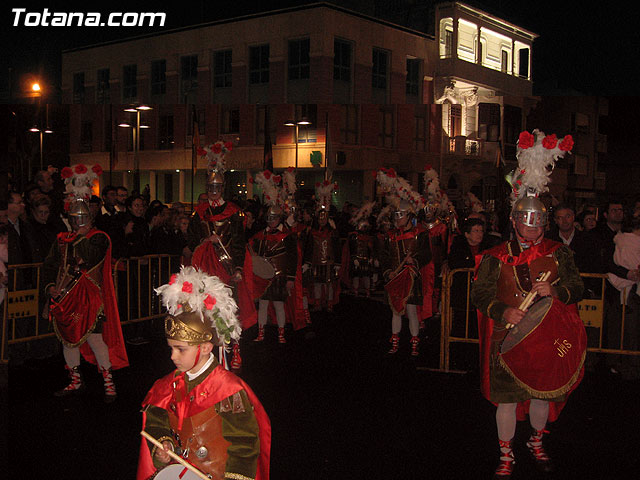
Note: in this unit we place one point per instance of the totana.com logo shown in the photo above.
(22, 18)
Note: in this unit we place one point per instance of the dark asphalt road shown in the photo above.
(340, 407)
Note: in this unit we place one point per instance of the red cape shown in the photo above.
(485, 324)
(218, 385)
(293, 306)
(111, 329)
(205, 259)
(229, 209)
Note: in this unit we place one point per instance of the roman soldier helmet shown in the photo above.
(360, 218)
(324, 191)
(200, 309)
(216, 164)
(78, 181)
(399, 193)
(537, 154)
(272, 193)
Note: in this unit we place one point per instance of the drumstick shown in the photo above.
(177, 458)
(528, 300)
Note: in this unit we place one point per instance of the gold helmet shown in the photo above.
(188, 327)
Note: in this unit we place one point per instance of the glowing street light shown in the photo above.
(296, 124)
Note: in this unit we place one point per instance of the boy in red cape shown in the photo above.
(202, 411)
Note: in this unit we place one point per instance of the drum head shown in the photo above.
(176, 472)
(529, 322)
(262, 268)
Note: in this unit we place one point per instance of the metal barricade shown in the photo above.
(134, 281)
(593, 312)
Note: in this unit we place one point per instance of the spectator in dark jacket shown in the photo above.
(44, 234)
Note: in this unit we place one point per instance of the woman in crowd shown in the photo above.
(44, 234)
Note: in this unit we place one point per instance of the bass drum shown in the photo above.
(263, 268)
(175, 472)
(545, 352)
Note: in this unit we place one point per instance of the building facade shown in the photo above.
(391, 96)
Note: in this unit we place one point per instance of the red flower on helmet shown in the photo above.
(526, 140)
(550, 141)
(201, 151)
(566, 144)
(187, 287)
(97, 169)
(277, 178)
(66, 172)
(391, 172)
(172, 280)
(228, 146)
(251, 180)
(267, 174)
(210, 302)
(216, 147)
(80, 169)
(428, 166)
(290, 169)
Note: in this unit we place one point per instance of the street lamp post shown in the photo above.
(136, 141)
(296, 124)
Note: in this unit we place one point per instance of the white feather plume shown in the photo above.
(395, 185)
(536, 156)
(195, 291)
(363, 213)
(78, 185)
(272, 193)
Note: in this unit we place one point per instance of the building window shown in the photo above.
(259, 64)
(342, 60)
(189, 74)
(165, 132)
(386, 136)
(230, 121)
(523, 64)
(580, 123)
(512, 125)
(489, 121)
(580, 164)
(307, 133)
(86, 137)
(299, 59)
(380, 68)
(78, 87)
(421, 128)
(349, 124)
(129, 83)
(222, 75)
(103, 95)
(413, 77)
(159, 77)
(448, 43)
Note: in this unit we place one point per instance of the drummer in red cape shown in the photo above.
(200, 411)
(533, 366)
(405, 259)
(277, 248)
(77, 275)
(216, 237)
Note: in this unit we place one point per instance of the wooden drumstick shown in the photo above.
(528, 300)
(177, 458)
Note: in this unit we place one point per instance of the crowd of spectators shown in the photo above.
(139, 226)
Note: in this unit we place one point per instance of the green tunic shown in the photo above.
(484, 296)
(240, 429)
